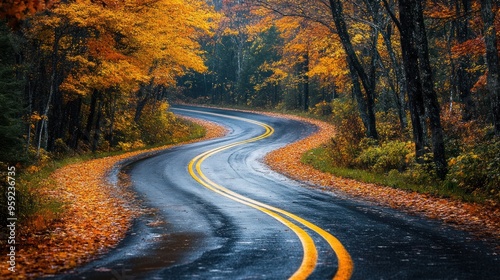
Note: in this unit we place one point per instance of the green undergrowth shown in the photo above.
(319, 159)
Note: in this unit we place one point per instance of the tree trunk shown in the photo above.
(430, 97)
(305, 77)
(143, 97)
(90, 119)
(464, 81)
(97, 131)
(410, 62)
(52, 89)
(492, 61)
(355, 64)
(400, 79)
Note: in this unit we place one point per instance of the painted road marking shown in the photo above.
(345, 264)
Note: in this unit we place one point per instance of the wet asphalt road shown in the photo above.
(208, 236)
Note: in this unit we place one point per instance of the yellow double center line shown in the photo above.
(345, 265)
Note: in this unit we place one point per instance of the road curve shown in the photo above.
(222, 214)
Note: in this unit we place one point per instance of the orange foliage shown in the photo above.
(474, 47)
(16, 10)
(103, 47)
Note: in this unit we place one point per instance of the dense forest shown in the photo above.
(412, 86)
(93, 75)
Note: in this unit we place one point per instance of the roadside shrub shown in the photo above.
(477, 171)
(155, 124)
(128, 146)
(460, 135)
(388, 126)
(322, 109)
(126, 130)
(60, 148)
(386, 157)
(344, 147)
(423, 174)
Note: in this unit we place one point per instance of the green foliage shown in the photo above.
(322, 109)
(388, 126)
(258, 88)
(417, 179)
(386, 157)
(478, 171)
(460, 135)
(60, 148)
(422, 173)
(10, 102)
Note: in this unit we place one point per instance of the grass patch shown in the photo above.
(319, 159)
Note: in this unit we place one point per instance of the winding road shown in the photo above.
(220, 213)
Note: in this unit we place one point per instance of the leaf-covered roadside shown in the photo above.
(480, 219)
(96, 216)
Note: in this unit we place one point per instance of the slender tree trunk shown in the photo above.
(357, 95)
(74, 123)
(305, 77)
(97, 132)
(430, 97)
(410, 62)
(492, 61)
(143, 96)
(52, 89)
(399, 94)
(30, 112)
(112, 124)
(43, 127)
(399, 69)
(355, 64)
(90, 120)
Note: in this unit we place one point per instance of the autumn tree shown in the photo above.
(94, 66)
(422, 96)
(365, 103)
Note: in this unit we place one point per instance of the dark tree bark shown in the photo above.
(355, 65)
(464, 81)
(305, 80)
(410, 62)
(143, 96)
(97, 131)
(90, 119)
(492, 61)
(432, 107)
(74, 123)
(421, 93)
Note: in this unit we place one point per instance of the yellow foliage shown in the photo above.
(127, 44)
